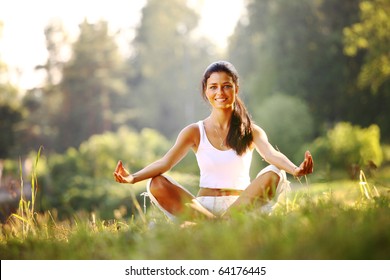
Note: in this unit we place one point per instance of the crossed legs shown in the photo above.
(175, 200)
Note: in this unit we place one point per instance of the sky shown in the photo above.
(22, 42)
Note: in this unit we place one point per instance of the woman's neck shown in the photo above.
(221, 118)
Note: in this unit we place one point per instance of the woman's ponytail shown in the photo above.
(240, 135)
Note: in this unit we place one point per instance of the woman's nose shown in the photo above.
(219, 90)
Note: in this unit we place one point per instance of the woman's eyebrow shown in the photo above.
(215, 83)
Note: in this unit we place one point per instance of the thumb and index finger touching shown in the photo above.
(120, 172)
(308, 163)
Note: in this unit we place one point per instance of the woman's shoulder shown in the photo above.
(191, 131)
(257, 131)
(191, 128)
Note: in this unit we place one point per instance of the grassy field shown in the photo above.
(337, 220)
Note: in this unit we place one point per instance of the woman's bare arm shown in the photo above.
(272, 156)
(186, 140)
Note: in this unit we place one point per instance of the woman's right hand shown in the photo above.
(121, 174)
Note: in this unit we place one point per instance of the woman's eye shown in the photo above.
(227, 86)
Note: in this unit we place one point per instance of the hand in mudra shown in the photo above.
(121, 174)
(306, 167)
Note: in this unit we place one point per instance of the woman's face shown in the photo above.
(221, 90)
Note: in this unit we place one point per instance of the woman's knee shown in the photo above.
(157, 184)
(273, 169)
(269, 182)
(161, 188)
(171, 196)
(272, 179)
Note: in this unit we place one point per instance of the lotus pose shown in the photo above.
(223, 144)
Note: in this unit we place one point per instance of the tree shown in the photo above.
(11, 112)
(10, 116)
(44, 103)
(81, 178)
(91, 82)
(371, 34)
(165, 68)
(297, 47)
(368, 39)
(349, 147)
(287, 116)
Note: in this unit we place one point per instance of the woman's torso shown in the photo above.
(221, 169)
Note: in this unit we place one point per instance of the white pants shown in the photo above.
(219, 204)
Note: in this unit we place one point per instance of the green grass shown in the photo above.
(333, 220)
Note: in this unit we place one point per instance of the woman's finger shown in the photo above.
(308, 163)
(309, 168)
(118, 166)
(116, 177)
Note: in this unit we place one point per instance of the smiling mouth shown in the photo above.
(220, 99)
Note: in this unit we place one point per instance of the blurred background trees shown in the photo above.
(11, 111)
(371, 34)
(297, 48)
(306, 67)
(93, 81)
(166, 67)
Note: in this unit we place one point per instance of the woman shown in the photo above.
(223, 144)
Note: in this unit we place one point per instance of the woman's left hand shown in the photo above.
(306, 167)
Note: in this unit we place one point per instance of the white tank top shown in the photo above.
(222, 169)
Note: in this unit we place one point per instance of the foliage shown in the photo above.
(371, 34)
(297, 48)
(349, 147)
(358, 231)
(293, 47)
(58, 47)
(26, 211)
(11, 113)
(44, 104)
(10, 118)
(294, 230)
(92, 80)
(166, 68)
(92, 87)
(83, 92)
(287, 122)
(82, 178)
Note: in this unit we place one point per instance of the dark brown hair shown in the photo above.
(240, 135)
